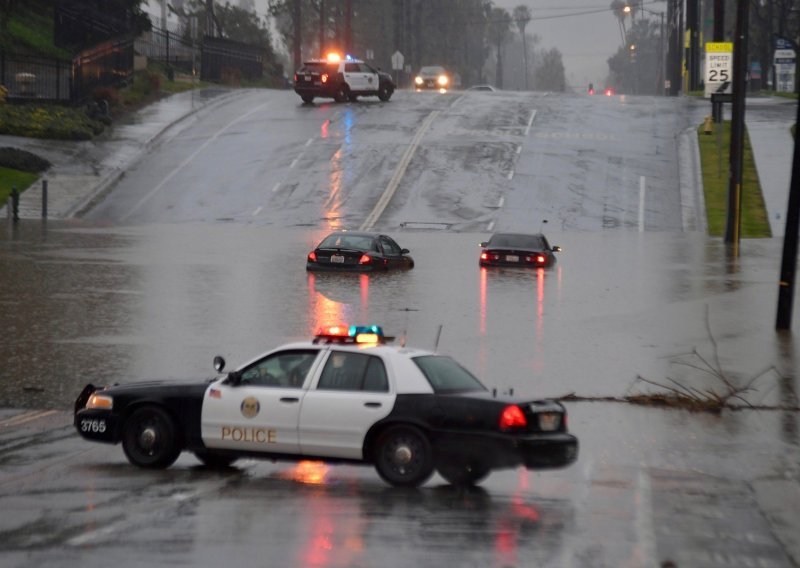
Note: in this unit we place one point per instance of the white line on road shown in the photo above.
(257, 211)
(25, 417)
(275, 187)
(294, 162)
(641, 203)
(308, 143)
(490, 226)
(501, 202)
(377, 211)
(530, 122)
(510, 174)
(519, 149)
(186, 162)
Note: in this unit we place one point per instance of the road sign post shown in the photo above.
(397, 65)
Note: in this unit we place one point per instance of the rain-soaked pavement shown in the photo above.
(83, 303)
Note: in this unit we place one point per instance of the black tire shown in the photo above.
(384, 93)
(352, 98)
(462, 472)
(342, 93)
(149, 438)
(214, 460)
(403, 456)
(308, 99)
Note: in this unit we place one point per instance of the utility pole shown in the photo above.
(348, 26)
(734, 222)
(297, 32)
(789, 262)
(719, 20)
(692, 56)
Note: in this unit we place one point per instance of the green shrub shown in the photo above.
(48, 121)
(22, 160)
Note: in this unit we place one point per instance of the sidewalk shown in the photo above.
(769, 120)
(84, 170)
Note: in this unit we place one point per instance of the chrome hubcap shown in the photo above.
(402, 455)
(147, 438)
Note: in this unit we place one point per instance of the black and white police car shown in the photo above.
(341, 79)
(345, 396)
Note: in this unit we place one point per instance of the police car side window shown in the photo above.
(287, 369)
(351, 68)
(353, 372)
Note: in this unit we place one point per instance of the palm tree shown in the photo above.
(522, 15)
(499, 28)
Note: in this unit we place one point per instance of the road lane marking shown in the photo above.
(257, 211)
(519, 149)
(490, 226)
(309, 141)
(25, 418)
(380, 206)
(510, 174)
(641, 202)
(275, 187)
(186, 162)
(294, 162)
(500, 203)
(530, 122)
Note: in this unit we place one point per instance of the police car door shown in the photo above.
(353, 393)
(371, 79)
(259, 411)
(353, 76)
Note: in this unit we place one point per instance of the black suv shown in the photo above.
(341, 80)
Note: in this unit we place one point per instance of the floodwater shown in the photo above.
(82, 303)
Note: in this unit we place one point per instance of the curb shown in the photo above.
(693, 202)
(105, 185)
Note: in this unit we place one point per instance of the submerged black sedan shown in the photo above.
(358, 251)
(518, 249)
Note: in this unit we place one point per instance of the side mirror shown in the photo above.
(404, 251)
(556, 249)
(483, 244)
(219, 363)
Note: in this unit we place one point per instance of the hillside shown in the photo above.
(30, 30)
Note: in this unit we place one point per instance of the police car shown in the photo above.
(341, 79)
(345, 396)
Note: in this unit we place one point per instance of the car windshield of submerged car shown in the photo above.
(349, 241)
(518, 241)
(447, 376)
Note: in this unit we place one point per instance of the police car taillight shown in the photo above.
(324, 78)
(365, 259)
(484, 256)
(295, 77)
(512, 418)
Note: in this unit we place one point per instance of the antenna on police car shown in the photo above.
(542, 224)
(438, 335)
(405, 326)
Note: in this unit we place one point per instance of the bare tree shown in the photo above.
(522, 15)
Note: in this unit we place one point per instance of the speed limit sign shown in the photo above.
(719, 68)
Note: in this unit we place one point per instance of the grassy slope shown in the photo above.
(31, 30)
(715, 160)
(14, 178)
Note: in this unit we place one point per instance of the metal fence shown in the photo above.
(51, 79)
(226, 60)
(174, 48)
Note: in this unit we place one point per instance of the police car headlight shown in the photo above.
(549, 421)
(442, 80)
(100, 401)
(418, 80)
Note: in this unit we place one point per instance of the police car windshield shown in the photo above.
(447, 376)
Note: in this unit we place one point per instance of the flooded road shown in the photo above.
(83, 303)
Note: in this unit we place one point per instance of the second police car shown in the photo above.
(345, 396)
(341, 79)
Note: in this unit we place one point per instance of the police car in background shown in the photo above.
(341, 79)
(345, 396)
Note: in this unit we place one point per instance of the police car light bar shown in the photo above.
(361, 334)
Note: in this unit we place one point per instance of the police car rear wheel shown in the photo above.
(342, 93)
(149, 438)
(384, 94)
(403, 456)
(308, 99)
(462, 472)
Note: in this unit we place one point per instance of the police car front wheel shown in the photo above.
(403, 456)
(214, 460)
(149, 438)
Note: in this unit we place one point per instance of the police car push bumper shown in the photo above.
(345, 396)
